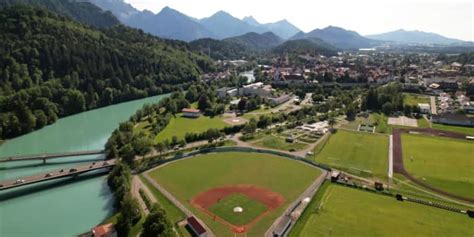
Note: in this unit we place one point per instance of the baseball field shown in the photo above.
(444, 163)
(343, 211)
(236, 192)
(356, 152)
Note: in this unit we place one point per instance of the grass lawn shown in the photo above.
(179, 126)
(187, 178)
(444, 163)
(377, 119)
(225, 209)
(278, 143)
(343, 211)
(423, 123)
(356, 152)
(459, 129)
(415, 99)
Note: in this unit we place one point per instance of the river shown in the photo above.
(63, 207)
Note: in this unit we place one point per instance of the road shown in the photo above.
(8, 184)
(47, 156)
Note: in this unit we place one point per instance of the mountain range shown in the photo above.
(169, 23)
(415, 37)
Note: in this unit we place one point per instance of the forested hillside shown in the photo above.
(52, 67)
(81, 11)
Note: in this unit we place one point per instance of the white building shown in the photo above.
(424, 108)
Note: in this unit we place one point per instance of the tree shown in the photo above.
(157, 224)
(130, 214)
(128, 154)
(331, 122)
(407, 110)
(350, 112)
(204, 103)
(160, 147)
(74, 102)
(387, 108)
(242, 106)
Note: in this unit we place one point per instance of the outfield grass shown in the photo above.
(355, 152)
(415, 99)
(179, 126)
(187, 178)
(459, 129)
(278, 143)
(225, 209)
(344, 211)
(441, 162)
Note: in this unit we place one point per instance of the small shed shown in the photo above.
(191, 113)
(196, 227)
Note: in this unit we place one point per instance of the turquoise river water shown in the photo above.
(63, 207)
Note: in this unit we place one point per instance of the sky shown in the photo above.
(451, 18)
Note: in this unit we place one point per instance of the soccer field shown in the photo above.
(343, 211)
(356, 152)
(189, 178)
(444, 163)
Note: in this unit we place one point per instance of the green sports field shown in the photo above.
(445, 163)
(356, 152)
(179, 126)
(225, 209)
(343, 211)
(458, 129)
(187, 178)
(415, 99)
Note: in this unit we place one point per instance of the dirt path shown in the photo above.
(137, 184)
(398, 166)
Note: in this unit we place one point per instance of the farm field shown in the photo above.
(189, 178)
(356, 152)
(459, 129)
(343, 211)
(179, 126)
(415, 99)
(444, 163)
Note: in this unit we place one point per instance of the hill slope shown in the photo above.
(308, 45)
(256, 41)
(84, 12)
(414, 37)
(52, 67)
(339, 38)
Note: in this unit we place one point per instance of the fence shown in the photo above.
(180, 156)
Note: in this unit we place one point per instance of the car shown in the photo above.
(93, 163)
(48, 175)
(90, 167)
(73, 170)
(1, 185)
(61, 171)
(105, 163)
(19, 181)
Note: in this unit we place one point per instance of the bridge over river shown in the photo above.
(73, 172)
(47, 156)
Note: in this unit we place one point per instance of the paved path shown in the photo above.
(137, 184)
(309, 192)
(433, 105)
(390, 157)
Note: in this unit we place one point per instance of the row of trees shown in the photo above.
(119, 181)
(52, 67)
